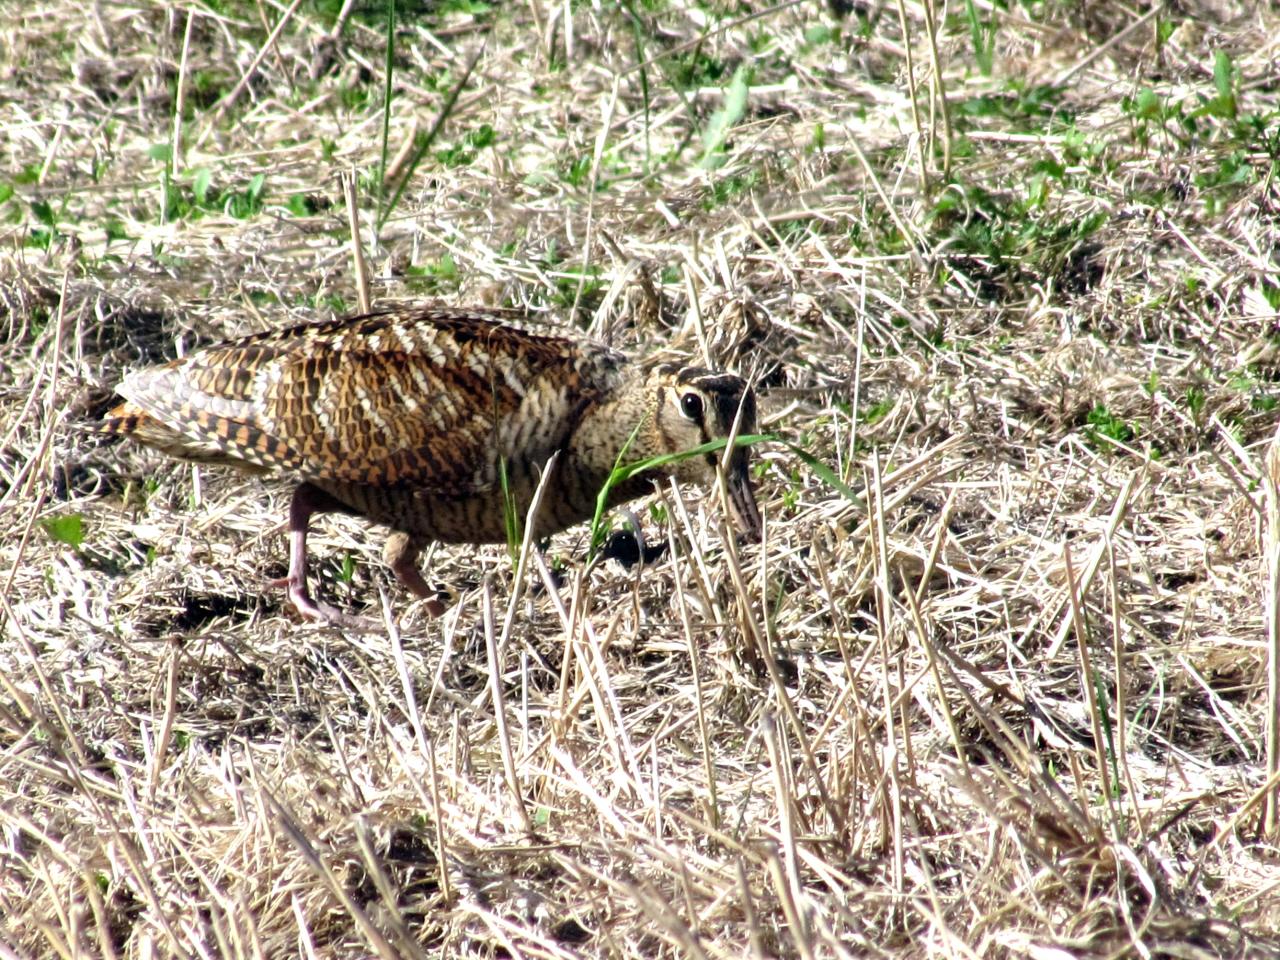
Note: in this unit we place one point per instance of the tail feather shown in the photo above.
(129, 420)
(123, 421)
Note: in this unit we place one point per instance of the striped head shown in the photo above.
(691, 406)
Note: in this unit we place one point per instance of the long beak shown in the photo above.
(742, 498)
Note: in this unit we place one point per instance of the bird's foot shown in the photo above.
(400, 553)
(313, 609)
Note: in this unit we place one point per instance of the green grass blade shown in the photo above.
(638, 36)
(511, 518)
(622, 472)
(724, 119)
(825, 474)
(429, 138)
(389, 78)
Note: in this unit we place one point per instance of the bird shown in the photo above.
(438, 422)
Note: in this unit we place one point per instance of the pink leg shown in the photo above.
(308, 500)
(400, 553)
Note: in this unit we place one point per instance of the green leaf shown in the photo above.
(302, 205)
(200, 185)
(819, 34)
(825, 474)
(160, 151)
(1103, 425)
(255, 188)
(983, 37)
(1146, 105)
(724, 119)
(68, 530)
(43, 212)
(1222, 74)
(1195, 400)
(1223, 102)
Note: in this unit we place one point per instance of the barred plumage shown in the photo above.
(409, 416)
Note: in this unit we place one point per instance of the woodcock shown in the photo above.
(409, 416)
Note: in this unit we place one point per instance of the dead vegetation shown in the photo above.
(1004, 696)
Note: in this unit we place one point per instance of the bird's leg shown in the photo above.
(309, 500)
(400, 553)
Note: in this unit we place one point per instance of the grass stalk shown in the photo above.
(1102, 747)
(226, 103)
(1271, 622)
(939, 85)
(704, 735)
(359, 266)
(496, 697)
(180, 98)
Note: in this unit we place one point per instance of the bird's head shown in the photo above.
(688, 407)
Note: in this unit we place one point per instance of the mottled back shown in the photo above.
(396, 398)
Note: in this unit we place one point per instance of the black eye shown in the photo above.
(691, 407)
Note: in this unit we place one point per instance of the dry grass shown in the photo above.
(1011, 704)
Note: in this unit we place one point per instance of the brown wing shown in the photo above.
(393, 398)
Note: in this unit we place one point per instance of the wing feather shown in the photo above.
(393, 398)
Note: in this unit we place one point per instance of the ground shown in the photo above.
(993, 684)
